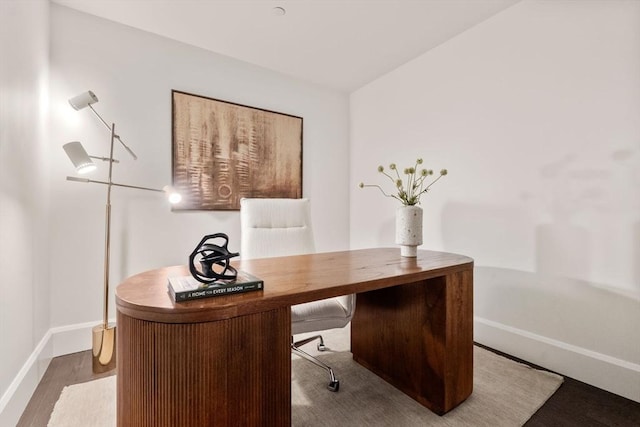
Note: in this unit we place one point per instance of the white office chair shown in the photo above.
(281, 227)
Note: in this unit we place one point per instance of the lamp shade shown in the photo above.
(79, 157)
(83, 100)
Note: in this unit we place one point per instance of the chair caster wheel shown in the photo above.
(321, 347)
(334, 386)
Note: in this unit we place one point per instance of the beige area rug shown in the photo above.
(505, 393)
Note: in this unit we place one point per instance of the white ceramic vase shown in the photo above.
(409, 230)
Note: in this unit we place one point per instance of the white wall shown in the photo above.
(133, 73)
(24, 190)
(535, 114)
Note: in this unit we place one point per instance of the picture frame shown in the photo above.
(224, 151)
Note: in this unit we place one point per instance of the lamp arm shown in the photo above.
(104, 159)
(93, 181)
(115, 136)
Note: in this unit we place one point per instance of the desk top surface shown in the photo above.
(287, 281)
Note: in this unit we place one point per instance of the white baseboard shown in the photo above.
(602, 371)
(56, 342)
(72, 338)
(17, 395)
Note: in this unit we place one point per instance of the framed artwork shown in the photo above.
(223, 152)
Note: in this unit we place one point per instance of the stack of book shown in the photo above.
(185, 288)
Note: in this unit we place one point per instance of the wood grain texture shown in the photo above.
(287, 281)
(224, 151)
(213, 373)
(419, 337)
(225, 360)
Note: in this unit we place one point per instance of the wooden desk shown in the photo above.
(225, 361)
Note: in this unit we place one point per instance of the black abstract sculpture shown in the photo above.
(213, 258)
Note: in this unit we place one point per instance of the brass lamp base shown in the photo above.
(104, 348)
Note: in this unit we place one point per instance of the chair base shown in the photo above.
(334, 384)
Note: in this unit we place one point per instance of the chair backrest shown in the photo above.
(275, 227)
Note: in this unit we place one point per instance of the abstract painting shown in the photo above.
(224, 151)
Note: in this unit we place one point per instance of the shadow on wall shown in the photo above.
(536, 278)
(589, 204)
(572, 311)
(636, 254)
(387, 232)
(561, 250)
(491, 234)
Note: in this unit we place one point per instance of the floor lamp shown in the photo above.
(104, 335)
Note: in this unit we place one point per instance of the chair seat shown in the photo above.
(318, 315)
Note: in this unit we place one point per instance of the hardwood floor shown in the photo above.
(65, 370)
(574, 404)
(578, 404)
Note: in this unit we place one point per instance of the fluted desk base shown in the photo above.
(225, 361)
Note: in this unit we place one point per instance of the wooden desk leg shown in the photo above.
(419, 338)
(225, 373)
